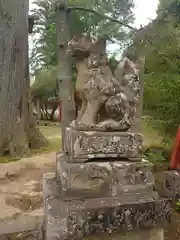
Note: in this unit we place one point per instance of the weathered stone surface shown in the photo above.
(109, 101)
(77, 219)
(130, 180)
(82, 146)
(171, 185)
(148, 234)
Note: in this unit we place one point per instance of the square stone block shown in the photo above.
(171, 184)
(82, 146)
(128, 180)
(81, 219)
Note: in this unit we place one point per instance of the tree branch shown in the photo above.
(102, 15)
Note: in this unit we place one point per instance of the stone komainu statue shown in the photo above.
(108, 100)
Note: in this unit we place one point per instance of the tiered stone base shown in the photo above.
(131, 181)
(81, 219)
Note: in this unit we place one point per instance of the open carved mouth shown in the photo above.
(79, 53)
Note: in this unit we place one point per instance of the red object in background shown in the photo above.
(175, 156)
(59, 110)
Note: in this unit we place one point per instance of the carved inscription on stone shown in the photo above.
(89, 145)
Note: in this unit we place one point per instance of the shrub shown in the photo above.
(162, 99)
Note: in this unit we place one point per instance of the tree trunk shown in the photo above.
(17, 126)
(64, 69)
(34, 136)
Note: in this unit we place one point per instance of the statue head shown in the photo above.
(80, 47)
(84, 46)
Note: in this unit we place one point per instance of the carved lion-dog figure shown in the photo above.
(108, 99)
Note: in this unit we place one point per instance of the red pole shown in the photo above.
(175, 156)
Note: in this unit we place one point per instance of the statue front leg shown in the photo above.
(89, 117)
(80, 112)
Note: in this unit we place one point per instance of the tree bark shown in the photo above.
(34, 136)
(17, 127)
(64, 78)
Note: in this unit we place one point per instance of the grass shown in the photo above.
(7, 159)
(51, 131)
(151, 135)
(53, 134)
(157, 145)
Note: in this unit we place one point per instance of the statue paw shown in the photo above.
(73, 123)
(114, 125)
(102, 125)
(81, 125)
(109, 124)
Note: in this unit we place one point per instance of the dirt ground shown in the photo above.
(21, 206)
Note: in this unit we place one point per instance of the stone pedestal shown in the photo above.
(171, 184)
(130, 181)
(83, 146)
(103, 188)
(102, 218)
(111, 200)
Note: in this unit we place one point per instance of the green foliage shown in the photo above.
(157, 146)
(162, 99)
(96, 26)
(113, 63)
(169, 7)
(162, 46)
(162, 79)
(44, 40)
(155, 155)
(178, 205)
(44, 86)
(160, 152)
(168, 146)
